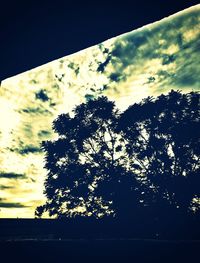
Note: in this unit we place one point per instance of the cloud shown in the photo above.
(74, 67)
(35, 110)
(5, 204)
(3, 187)
(42, 95)
(166, 52)
(12, 175)
(30, 149)
(44, 134)
(108, 55)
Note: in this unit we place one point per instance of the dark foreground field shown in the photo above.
(100, 251)
(66, 241)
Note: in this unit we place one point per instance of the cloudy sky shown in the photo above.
(148, 61)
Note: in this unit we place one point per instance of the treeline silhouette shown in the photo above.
(138, 169)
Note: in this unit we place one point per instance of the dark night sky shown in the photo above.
(36, 32)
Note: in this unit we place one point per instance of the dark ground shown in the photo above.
(100, 251)
(27, 240)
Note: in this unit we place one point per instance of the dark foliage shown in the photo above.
(142, 163)
(163, 143)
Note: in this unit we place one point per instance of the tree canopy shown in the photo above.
(111, 163)
(163, 139)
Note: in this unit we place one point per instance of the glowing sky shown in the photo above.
(149, 61)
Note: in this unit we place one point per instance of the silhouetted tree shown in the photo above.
(87, 166)
(163, 147)
(143, 161)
